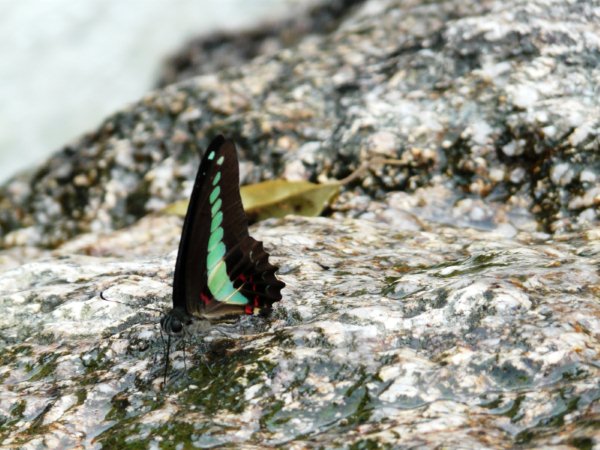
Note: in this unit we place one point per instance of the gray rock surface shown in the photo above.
(497, 99)
(445, 337)
(209, 54)
(451, 300)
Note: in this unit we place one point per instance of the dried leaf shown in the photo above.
(178, 208)
(277, 198)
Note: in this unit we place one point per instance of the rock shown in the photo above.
(446, 88)
(209, 54)
(450, 299)
(384, 336)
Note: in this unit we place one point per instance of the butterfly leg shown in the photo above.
(162, 339)
(205, 348)
(184, 358)
(167, 360)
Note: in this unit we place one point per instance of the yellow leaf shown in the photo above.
(277, 198)
(178, 208)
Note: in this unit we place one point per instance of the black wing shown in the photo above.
(221, 272)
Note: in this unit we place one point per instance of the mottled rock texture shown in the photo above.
(445, 337)
(498, 99)
(451, 300)
(209, 54)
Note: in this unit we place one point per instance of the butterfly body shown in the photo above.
(221, 271)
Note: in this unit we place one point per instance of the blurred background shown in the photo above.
(66, 65)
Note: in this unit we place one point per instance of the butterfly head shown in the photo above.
(174, 322)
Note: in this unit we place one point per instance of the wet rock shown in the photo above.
(385, 336)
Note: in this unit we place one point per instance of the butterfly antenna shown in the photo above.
(103, 297)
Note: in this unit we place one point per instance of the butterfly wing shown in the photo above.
(221, 271)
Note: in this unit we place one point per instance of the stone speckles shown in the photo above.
(464, 82)
(440, 332)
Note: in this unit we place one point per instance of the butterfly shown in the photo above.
(221, 272)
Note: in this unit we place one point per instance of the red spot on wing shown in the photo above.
(256, 303)
(205, 298)
(249, 309)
